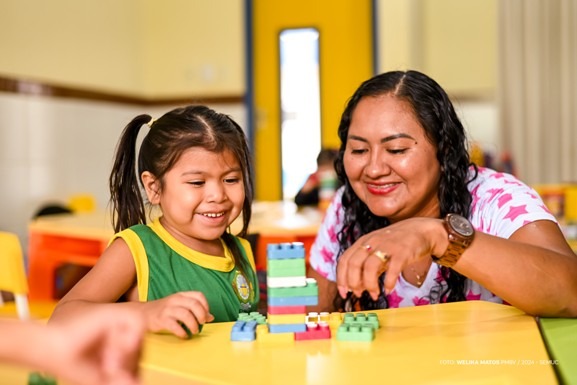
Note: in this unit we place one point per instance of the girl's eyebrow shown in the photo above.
(385, 139)
(203, 172)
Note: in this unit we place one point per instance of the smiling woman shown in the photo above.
(184, 268)
(417, 223)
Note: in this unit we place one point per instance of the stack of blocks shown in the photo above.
(289, 292)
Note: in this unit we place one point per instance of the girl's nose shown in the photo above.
(215, 192)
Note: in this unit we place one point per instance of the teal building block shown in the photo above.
(286, 267)
(252, 316)
(355, 332)
(371, 319)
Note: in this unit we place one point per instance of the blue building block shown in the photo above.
(293, 301)
(287, 328)
(243, 331)
(285, 250)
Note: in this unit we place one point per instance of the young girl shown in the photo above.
(183, 268)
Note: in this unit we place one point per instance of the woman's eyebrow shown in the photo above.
(385, 139)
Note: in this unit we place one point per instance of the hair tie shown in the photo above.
(152, 120)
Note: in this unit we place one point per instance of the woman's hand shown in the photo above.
(172, 313)
(390, 249)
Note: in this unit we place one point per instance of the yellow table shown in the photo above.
(471, 342)
(460, 343)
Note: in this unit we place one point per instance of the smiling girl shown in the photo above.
(183, 268)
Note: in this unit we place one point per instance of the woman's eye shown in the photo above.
(397, 150)
(358, 151)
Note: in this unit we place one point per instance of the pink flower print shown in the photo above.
(504, 199)
(420, 301)
(498, 175)
(327, 255)
(394, 299)
(472, 296)
(332, 234)
(515, 211)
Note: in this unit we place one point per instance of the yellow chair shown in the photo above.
(13, 274)
(13, 280)
(82, 203)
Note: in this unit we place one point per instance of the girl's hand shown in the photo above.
(172, 313)
(390, 249)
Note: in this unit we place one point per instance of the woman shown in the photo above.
(386, 240)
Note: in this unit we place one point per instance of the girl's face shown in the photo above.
(389, 161)
(201, 196)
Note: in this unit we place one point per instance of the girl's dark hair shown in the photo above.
(434, 110)
(169, 137)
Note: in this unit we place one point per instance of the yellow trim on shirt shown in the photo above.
(205, 260)
(140, 261)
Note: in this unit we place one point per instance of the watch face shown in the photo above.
(461, 225)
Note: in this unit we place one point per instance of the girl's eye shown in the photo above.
(231, 180)
(197, 183)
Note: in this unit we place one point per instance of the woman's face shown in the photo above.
(389, 161)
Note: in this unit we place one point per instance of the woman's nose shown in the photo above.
(377, 165)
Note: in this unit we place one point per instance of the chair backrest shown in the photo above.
(12, 272)
(82, 203)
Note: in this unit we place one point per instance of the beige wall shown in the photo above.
(453, 41)
(147, 48)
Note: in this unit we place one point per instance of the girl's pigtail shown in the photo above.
(125, 196)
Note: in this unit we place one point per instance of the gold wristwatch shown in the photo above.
(461, 233)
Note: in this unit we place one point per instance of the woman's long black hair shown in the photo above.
(437, 116)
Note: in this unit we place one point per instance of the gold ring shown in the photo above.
(381, 255)
(367, 247)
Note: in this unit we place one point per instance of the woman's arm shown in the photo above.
(535, 270)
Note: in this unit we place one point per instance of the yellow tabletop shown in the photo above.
(471, 342)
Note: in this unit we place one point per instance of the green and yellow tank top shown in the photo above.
(165, 266)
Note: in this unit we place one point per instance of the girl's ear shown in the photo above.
(151, 186)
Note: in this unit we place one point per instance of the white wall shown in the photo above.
(51, 148)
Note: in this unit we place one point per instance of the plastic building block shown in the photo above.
(298, 309)
(286, 267)
(355, 332)
(287, 328)
(264, 336)
(335, 319)
(310, 289)
(285, 250)
(315, 331)
(299, 281)
(371, 319)
(293, 301)
(274, 319)
(252, 316)
(243, 331)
